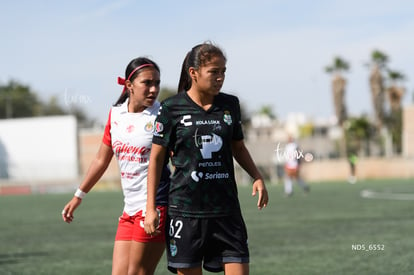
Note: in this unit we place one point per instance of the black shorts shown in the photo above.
(211, 242)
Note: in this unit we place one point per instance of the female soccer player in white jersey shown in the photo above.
(202, 128)
(128, 136)
(292, 168)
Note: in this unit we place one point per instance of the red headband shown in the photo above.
(121, 81)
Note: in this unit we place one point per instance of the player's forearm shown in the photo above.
(155, 169)
(243, 157)
(97, 168)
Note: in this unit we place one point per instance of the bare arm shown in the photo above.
(242, 156)
(94, 173)
(155, 167)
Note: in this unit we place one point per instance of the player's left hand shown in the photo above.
(260, 187)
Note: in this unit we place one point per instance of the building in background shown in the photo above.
(50, 154)
(39, 149)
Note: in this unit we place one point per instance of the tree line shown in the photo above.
(387, 91)
(18, 101)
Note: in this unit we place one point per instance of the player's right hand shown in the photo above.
(67, 212)
(152, 221)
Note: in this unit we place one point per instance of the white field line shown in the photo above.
(369, 194)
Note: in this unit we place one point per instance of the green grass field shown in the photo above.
(322, 233)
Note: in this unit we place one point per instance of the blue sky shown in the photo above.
(276, 50)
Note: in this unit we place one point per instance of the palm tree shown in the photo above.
(338, 67)
(338, 87)
(378, 63)
(395, 93)
(358, 131)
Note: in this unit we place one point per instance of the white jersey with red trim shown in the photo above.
(131, 140)
(291, 153)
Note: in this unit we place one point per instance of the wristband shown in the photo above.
(80, 194)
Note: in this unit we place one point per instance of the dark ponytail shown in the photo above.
(196, 58)
(131, 72)
(185, 81)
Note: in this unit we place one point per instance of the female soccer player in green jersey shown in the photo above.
(201, 127)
